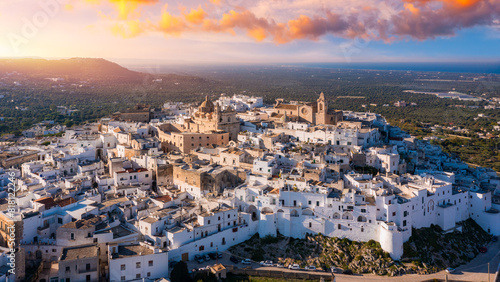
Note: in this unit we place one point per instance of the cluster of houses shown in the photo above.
(114, 200)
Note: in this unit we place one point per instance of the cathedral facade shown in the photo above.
(210, 117)
(313, 113)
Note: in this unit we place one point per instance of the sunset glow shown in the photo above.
(315, 30)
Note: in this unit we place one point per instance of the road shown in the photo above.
(476, 270)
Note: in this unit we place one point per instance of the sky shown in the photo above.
(253, 31)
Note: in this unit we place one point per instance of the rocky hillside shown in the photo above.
(435, 251)
(443, 250)
(323, 252)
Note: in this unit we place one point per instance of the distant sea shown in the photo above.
(464, 67)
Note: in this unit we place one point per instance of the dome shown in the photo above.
(207, 106)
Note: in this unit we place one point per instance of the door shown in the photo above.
(185, 256)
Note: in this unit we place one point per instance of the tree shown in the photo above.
(180, 273)
(68, 123)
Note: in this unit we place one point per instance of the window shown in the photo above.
(150, 263)
(72, 236)
(339, 226)
(87, 266)
(123, 278)
(138, 265)
(310, 224)
(363, 210)
(59, 220)
(309, 202)
(138, 276)
(404, 222)
(149, 274)
(122, 267)
(317, 203)
(67, 269)
(393, 213)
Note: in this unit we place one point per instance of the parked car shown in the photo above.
(233, 259)
(267, 263)
(207, 258)
(219, 255)
(199, 258)
(246, 261)
(334, 269)
(347, 272)
(212, 255)
(494, 239)
(294, 266)
(310, 268)
(280, 265)
(450, 270)
(483, 250)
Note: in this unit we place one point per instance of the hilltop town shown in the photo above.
(124, 198)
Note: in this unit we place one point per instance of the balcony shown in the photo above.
(85, 270)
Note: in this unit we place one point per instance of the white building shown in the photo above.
(131, 262)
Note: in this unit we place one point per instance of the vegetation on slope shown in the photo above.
(437, 250)
(324, 252)
(428, 250)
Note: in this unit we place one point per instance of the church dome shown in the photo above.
(207, 106)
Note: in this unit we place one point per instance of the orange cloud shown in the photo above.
(128, 29)
(410, 7)
(258, 33)
(125, 8)
(170, 24)
(196, 16)
(448, 3)
(418, 19)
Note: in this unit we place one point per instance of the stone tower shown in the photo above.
(321, 116)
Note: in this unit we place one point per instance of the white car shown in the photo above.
(311, 268)
(450, 270)
(294, 266)
(268, 263)
(246, 261)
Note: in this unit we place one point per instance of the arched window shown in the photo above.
(347, 216)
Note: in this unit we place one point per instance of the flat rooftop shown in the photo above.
(132, 251)
(73, 253)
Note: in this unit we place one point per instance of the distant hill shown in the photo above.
(74, 68)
